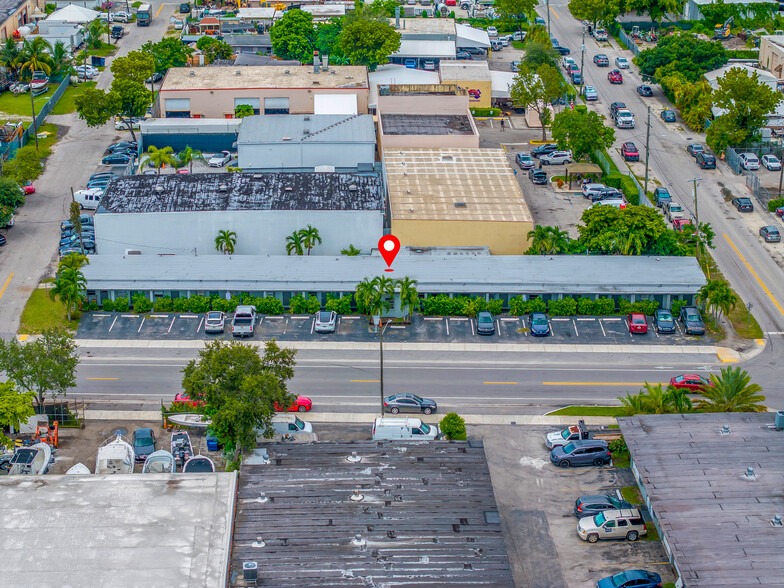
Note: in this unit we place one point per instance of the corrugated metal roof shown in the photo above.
(243, 191)
(424, 48)
(290, 128)
(514, 274)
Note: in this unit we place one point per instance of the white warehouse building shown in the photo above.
(183, 214)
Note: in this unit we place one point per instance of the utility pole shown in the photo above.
(647, 152)
(32, 105)
(381, 357)
(582, 63)
(548, 18)
(781, 177)
(696, 215)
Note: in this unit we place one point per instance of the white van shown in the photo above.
(403, 430)
(89, 198)
(287, 424)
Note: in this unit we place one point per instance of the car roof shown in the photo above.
(590, 443)
(617, 513)
(770, 228)
(596, 498)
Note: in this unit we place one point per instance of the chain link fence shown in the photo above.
(628, 41)
(760, 192)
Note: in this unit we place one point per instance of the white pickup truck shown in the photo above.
(624, 119)
(244, 321)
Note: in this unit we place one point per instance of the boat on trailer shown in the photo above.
(31, 461)
(181, 447)
(115, 456)
(198, 464)
(160, 462)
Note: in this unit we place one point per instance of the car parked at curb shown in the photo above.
(694, 149)
(556, 158)
(524, 160)
(743, 204)
(587, 452)
(543, 149)
(117, 159)
(690, 382)
(540, 326)
(629, 152)
(625, 523)
(673, 211)
(621, 63)
(663, 321)
(636, 323)
(770, 233)
(86, 71)
(667, 115)
(706, 160)
(644, 90)
(771, 162)
(631, 579)
(397, 403)
(589, 506)
(325, 321)
(691, 320)
(661, 196)
(590, 93)
(214, 322)
(599, 34)
(749, 161)
(28, 187)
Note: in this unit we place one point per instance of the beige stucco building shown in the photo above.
(14, 14)
(771, 54)
(473, 77)
(456, 198)
(214, 92)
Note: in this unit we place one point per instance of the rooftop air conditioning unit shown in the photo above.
(353, 187)
(288, 189)
(132, 252)
(223, 188)
(286, 72)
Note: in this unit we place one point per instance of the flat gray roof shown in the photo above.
(513, 274)
(426, 124)
(243, 191)
(428, 516)
(307, 128)
(715, 521)
(117, 530)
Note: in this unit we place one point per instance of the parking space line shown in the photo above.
(458, 318)
(677, 324)
(101, 315)
(273, 317)
(140, 326)
(129, 316)
(313, 325)
(151, 316)
(509, 320)
(498, 327)
(430, 318)
(447, 328)
(189, 316)
(171, 324)
(286, 326)
(352, 318)
(110, 326)
(201, 322)
(612, 319)
(602, 326)
(472, 328)
(586, 319)
(560, 319)
(576, 332)
(300, 317)
(397, 327)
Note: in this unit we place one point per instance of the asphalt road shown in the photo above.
(340, 381)
(740, 254)
(31, 252)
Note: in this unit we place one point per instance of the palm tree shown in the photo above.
(188, 155)
(159, 157)
(69, 286)
(35, 57)
(731, 391)
(351, 251)
(10, 55)
(363, 294)
(409, 297)
(373, 296)
(73, 261)
(633, 241)
(634, 404)
(60, 57)
(295, 243)
(95, 31)
(678, 399)
(310, 236)
(225, 242)
(539, 237)
(655, 399)
(559, 240)
(718, 297)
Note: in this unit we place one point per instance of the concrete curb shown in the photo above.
(367, 418)
(373, 346)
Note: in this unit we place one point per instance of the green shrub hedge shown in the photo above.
(485, 111)
(774, 204)
(338, 305)
(625, 184)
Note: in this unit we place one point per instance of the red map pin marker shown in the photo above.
(389, 245)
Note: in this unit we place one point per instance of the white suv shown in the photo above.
(624, 523)
(749, 161)
(556, 157)
(591, 189)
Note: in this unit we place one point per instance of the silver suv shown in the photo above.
(624, 523)
(673, 210)
(556, 157)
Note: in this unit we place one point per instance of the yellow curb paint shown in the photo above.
(753, 273)
(760, 342)
(5, 285)
(363, 380)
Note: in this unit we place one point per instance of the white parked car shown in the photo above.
(566, 62)
(122, 16)
(86, 71)
(122, 125)
(616, 202)
(556, 157)
(220, 159)
(492, 31)
(771, 162)
(748, 161)
(621, 63)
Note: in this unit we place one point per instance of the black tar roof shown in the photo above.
(422, 518)
(243, 191)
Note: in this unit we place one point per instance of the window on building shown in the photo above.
(177, 107)
(254, 103)
(276, 105)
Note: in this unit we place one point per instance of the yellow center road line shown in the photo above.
(555, 14)
(102, 378)
(364, 380)
(753, 273)
(502, 383)
(602, 383)
(7, 281)
(159, 11)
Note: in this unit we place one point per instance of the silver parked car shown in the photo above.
(215, 322)
(626, 523)
(326, 320)
(556, 157)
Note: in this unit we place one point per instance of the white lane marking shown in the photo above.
(171, 324)
(129, 315)
(576, 332)
(447, 328)
(301, 318)
(498, 327)
(602, 326)
(189, 316)
(159, 316)
(560, 319)
(509, 320)
(101, 315)
(286, 326)
(433, 318)
(586, 319)
(313, 325)
(140, 326)
(112, 325)
(459, 318)
(201, 322)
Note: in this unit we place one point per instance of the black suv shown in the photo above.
(743, 204)
(544, 149)
(706, 160)
(691, 320)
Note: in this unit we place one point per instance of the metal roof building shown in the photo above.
(632, 278)
(715, 520)
(424, 514)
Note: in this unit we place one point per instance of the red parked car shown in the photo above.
(780, 211)
(615, 77)
(28, 187)
(691, 382)
(637, 323)
(301, 404)
(629, 152)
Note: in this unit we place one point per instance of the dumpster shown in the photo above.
(97, 61)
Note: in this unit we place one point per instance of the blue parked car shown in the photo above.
(631, 578)
(410, 63)
(589, 452)
(540, 326)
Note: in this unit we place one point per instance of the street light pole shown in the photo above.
(548, 18)
(582, 63)
(781, 177)
(647, 152)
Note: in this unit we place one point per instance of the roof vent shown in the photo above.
(447, 158)
(750, 473)
(285, 139)
(461, 205)
(192, 73)
(776, 521)
(223, 188)
(286, 72)
(357, 496)
(412, 210)
(288, 189)
(306, 118)
(353, 187)
(725, 430)
(158, 189)
(238, 73)
(315, 82)
(257, 176)
(262, 498)
(353, 458)
(259, 542)
(306, 131)
(358, 541)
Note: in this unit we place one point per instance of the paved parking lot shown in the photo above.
(535, 500)
(509, 329)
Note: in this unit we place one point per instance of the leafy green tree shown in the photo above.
(409, 297)
(351, 251)
(537, 53)
(293, 36)
(169, 52)
(633, 230)
(310, 237)
(188, 155)
(35, 57)
(137, 66)
(214, 49)
(655, 9)
(243, 110)
(595, 11)
(45, 366)
(746, 101)
(159, 157)
(25, 166)
(240, 389)
(693, 99)
(376, 11)
(369, 43)
(11, 195)
(731, 391)
(515, 9)
(69, 286)
(328, 40)
(225, 242)
(295, 243)
(535, 89)
(583, 131)
(15, 408)
(453, 427)
(682, 54)
(10, 55)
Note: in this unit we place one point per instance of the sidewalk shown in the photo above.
(367, 417)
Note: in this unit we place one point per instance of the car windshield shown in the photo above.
(143, 441)
(539, 320)
(692, 316)
(614, 502)
(565, 433)
(417, 398)
(638, 321)
(325, 317)
(665, 316)
(425, 428)
(675, 208)
(599, 519)
(524, 157)
(485, 319)
(213, 316)
(568, 448)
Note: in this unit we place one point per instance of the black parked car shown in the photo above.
(409, 403)
(706, 160)
(122, 158)
(743, 204)
(485, 325)
(143, 443)
(644, 90)
(663, 321)
(543, 149)
(154, 78)
(589, 506)
(692, 321)
(563, 50)
(540, 326)
(537, 176)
